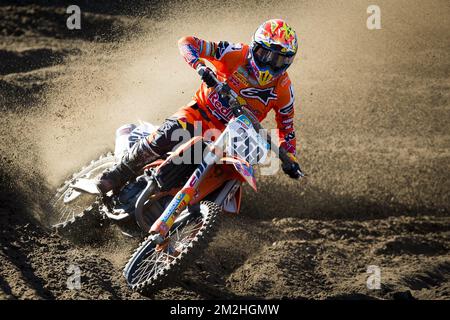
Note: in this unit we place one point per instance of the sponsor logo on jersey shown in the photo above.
(232, 79)
(290, 136)
(223, 47)
(263, 95)
(241, 78)
(289, 107)
(219, 107)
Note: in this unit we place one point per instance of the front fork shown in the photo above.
(182, 199)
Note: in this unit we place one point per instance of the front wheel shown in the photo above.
(152, 266)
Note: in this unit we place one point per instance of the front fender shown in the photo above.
(244, 169)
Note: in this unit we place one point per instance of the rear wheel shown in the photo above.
(152, 265)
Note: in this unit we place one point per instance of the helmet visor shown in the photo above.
(267, 58)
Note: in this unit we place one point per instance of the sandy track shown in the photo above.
(373, 128)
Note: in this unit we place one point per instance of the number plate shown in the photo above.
(244, 142)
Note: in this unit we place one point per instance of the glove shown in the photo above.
(293, 170)
(208, 76)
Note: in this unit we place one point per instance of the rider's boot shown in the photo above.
(128, 168)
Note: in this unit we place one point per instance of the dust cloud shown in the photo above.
(372, 124)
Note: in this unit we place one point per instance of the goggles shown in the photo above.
(267, 58)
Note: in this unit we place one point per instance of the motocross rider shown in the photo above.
(256, 72)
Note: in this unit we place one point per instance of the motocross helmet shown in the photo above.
(272, 50)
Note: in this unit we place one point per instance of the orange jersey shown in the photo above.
(231, 64)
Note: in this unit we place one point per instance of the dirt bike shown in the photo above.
(176, 203)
